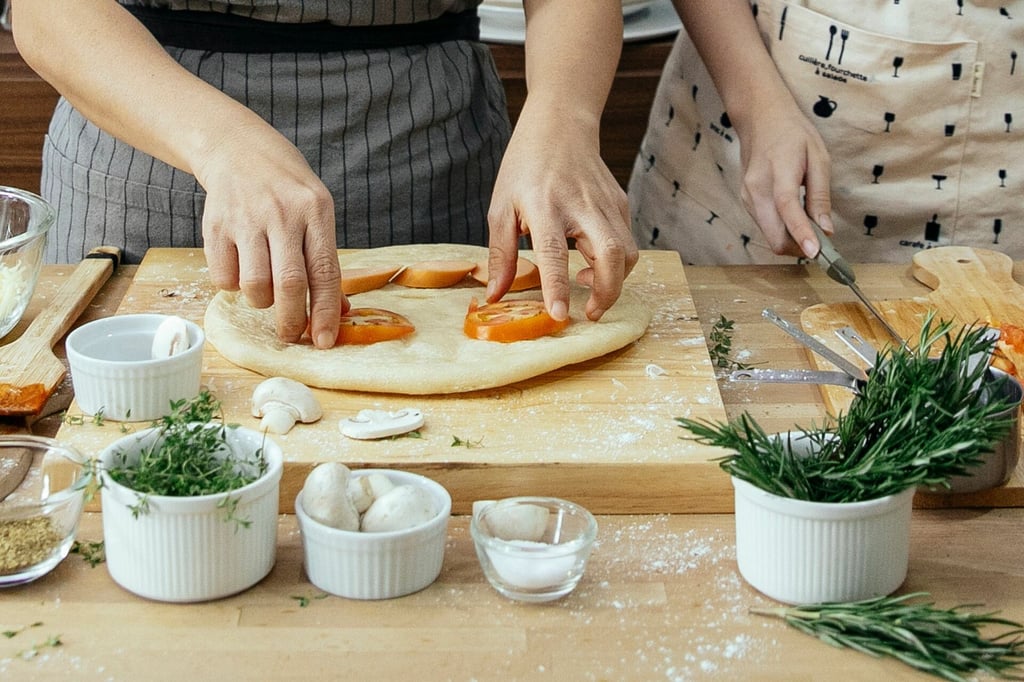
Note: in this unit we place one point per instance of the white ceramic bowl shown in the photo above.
(25, 222)
(533, 566)
(187, 549)
(801, 552)
(39, 519)
(113, 372)
(361, 565)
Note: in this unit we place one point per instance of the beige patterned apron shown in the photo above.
(921, 105)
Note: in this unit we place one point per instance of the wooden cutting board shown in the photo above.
(601, 433)
(968, 285)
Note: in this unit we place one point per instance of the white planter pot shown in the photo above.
(185, 549)
(801, 552)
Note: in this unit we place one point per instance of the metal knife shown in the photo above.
(836, 267)
(813, 344)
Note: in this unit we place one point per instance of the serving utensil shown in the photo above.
(797, 376)
(855, 342)
(29, 370)
(838, 269)
(813, 344)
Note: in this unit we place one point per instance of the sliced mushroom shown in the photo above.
(325, 496)
(281, 402)
(170, 338)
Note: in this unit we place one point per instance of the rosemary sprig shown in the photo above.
(917, 421)
(947, 643)
(720, 345)
(191, 456)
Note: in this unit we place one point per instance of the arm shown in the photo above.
(552, 183)
(780, 149)
(268, 225)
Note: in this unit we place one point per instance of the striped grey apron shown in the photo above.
(407, 139)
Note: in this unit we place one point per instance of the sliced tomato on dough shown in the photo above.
(434, 274)
(527, 275)
(362, 326)
(508, 321)
(359, 280)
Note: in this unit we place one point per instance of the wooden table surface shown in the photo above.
(662, 597)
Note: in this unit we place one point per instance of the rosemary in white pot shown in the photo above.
(918, 420)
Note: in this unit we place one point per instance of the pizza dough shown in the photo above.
(437, 357)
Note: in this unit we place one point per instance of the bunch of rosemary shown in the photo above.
(190, 455)
(944, 642)
(917, 421)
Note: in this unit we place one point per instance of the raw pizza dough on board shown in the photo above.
(437, 357)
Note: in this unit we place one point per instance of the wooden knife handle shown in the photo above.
(74, 295)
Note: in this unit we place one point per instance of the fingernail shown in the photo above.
(825, 221)
(559, 310)
(596, 314)
(324, 340)
(811, 248)
(491, 288)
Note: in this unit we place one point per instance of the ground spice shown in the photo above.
(25, 542)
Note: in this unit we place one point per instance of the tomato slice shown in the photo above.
(507, 321)
(359, 280)
(434, 274)
(527, 275)
(362, 326)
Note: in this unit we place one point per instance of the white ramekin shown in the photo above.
(801, 552)
(114, 374)
(361, 565)
(188, 549)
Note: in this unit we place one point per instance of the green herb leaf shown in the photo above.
(720, 345)
(92, 552)
(944, 642)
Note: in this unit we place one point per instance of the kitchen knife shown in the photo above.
(836, 267)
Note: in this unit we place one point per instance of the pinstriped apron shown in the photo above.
(921, 106)
(407, 139)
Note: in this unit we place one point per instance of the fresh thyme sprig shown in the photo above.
(91, 552)
(720, 345)
(947, 643)
(190, 456)
(917, 421)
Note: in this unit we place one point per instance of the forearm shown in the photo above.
(725, 33)
(113, 71)
(572, 51)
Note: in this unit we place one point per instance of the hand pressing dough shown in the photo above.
(437, 357)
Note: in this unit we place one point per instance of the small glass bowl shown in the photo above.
(39, 519)
(537, 560)
(25, 221)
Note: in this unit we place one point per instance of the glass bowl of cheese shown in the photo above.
(25, 220)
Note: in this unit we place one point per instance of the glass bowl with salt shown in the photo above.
(25, 221)
(39, 517)
(533, 549)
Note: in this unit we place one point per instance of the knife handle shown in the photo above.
(828, 258)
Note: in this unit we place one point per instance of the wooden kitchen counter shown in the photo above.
(662, 598)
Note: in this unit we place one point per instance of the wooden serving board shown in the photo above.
(967, 285)
(601, 432)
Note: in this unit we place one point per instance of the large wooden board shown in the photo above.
(968, 285)
(602, 432)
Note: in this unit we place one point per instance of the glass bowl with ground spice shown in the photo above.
(39, 517)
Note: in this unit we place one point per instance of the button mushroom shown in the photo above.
(404, 506)
(325, 496)
(281, 402)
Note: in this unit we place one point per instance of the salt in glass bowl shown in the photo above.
(113, 370)
(39, 519)
(533, 549)
(25, 221)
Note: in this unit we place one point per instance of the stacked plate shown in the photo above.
(503, 21)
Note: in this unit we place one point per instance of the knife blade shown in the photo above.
(836, 267)
(813, 344)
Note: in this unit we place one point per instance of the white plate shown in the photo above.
(500, 24)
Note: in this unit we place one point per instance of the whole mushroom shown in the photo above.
(325, 496)
(281, 402)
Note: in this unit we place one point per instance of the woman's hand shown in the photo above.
(554, 187)
(268, 229)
